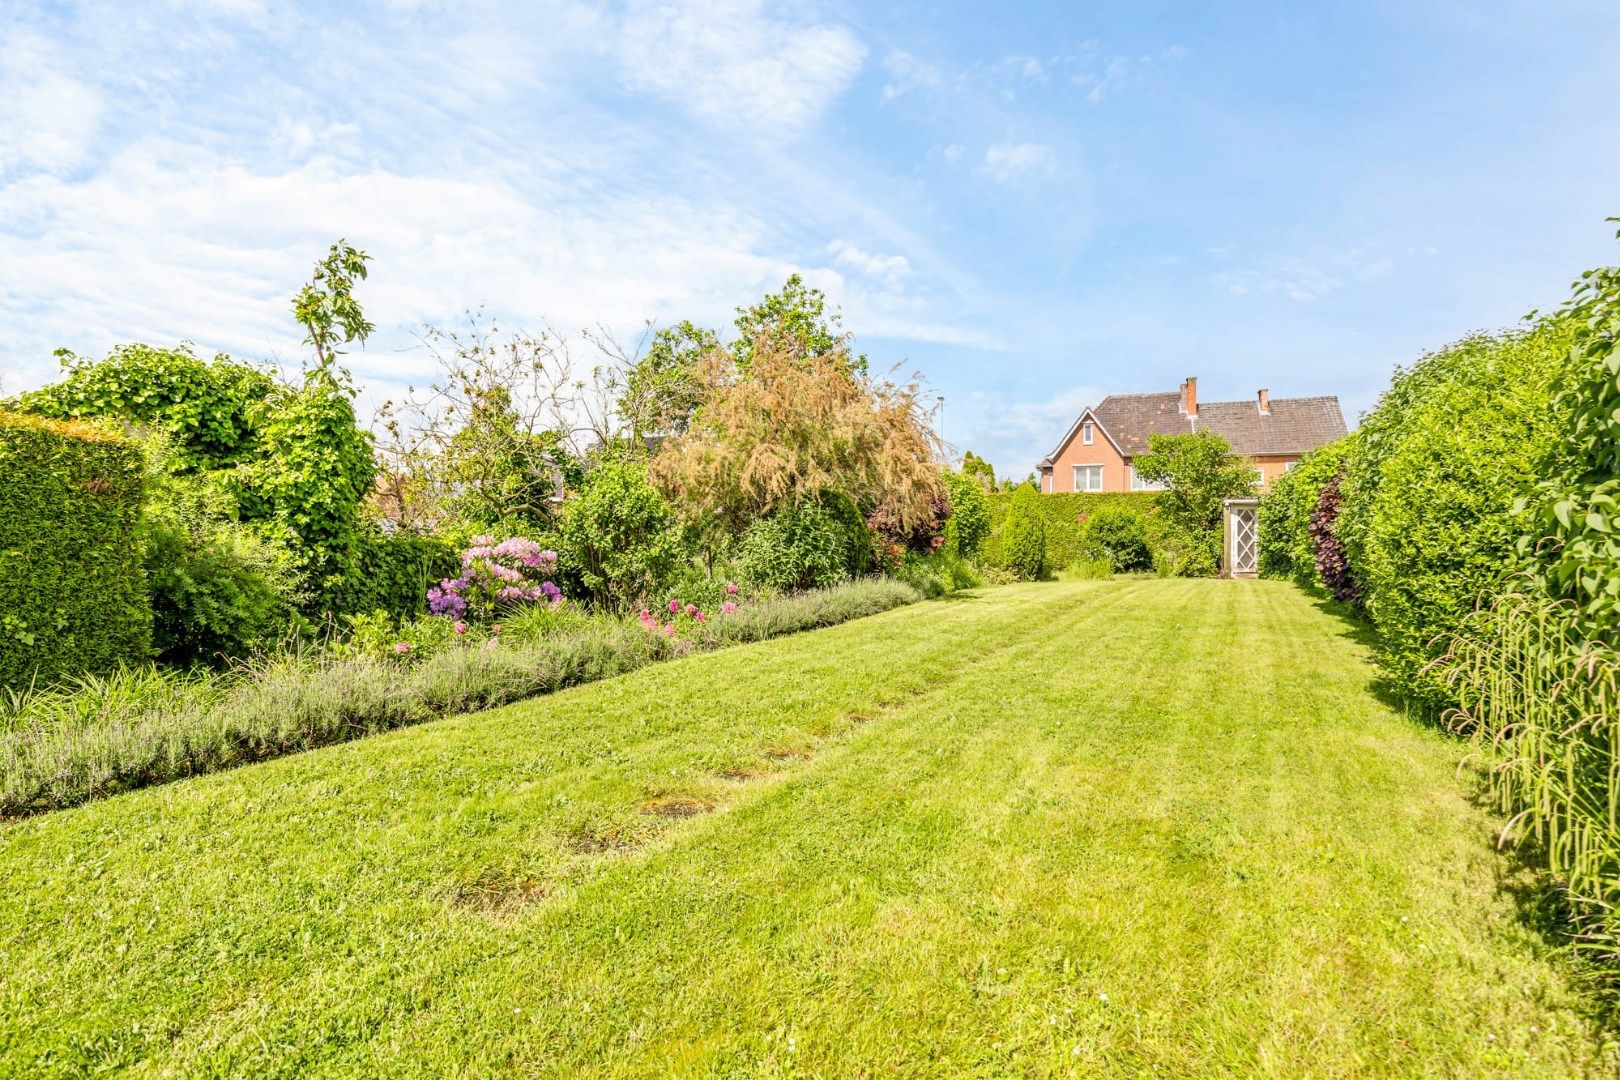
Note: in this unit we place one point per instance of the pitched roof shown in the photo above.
(1293, 426)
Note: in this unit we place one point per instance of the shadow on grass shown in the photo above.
(1540, 902)
(1543, 906)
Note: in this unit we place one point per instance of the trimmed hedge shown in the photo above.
(1286, 550)
(393, 572)
(1061, 513)
(70, 508)
(1427, 518)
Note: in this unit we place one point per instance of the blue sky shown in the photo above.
(1032, 207)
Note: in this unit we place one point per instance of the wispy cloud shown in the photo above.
(1009, 161)
(48, 118)
(909, 75)
(891, 269)
(1311, 277)
(734, 62)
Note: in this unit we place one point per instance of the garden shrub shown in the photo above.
(393, 572)
(219, 589)
(621, 536)
(1286, 548)
(206, 409)
(802, 547)
(1201, 472)
(1064, 515)
(969, 522)
(1118, 536)
(70, 508)
(1572, 533)
(858, 539)
(1332, 565)
(308, 483)
(1024, 542)
(1427, 516)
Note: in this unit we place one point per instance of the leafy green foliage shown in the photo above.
(621, 537)
(969, 523)
(219, 589)
(1574, 529)
(1286, 550)
(205, 409)
(393, 571)
(326, 307)
(801, 547)
(1201, 472)
(1064, 515)
(980, 470)
(1024, 541)
(858, 538)
(499, 476)
(1117, 535)
(663, 389)
(308, 485)
(1427, 518)
(795, 319)
(70, 555)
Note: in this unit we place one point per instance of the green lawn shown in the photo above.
(1100, 827)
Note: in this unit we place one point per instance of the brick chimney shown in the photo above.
(1189, 396)
(1265, 402)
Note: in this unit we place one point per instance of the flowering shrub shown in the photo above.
(496, 576)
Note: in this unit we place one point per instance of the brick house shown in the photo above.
(1274, 433)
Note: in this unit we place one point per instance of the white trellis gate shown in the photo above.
(1240, 553)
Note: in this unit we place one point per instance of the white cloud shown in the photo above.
(1308, 277)
(732, 61)
(889, 268)
(48, 118)
(908, 75)
(1009, 161)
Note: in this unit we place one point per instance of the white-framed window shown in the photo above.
(1288, 466)
(1139, 484)
(1088, 478)
(1259, 476)
(1087, 432)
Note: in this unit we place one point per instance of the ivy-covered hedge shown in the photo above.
(70, 508)
(1061, 513)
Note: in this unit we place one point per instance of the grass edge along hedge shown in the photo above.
(1061, 512)
(70, 511)
(174, 726)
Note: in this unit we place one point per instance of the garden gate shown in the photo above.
(1240, 553)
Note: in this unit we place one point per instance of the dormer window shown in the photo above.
(1087, 430)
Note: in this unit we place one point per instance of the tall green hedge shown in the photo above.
(70, 509)
(1063, 515)
(1286, 550)
(1427, 518)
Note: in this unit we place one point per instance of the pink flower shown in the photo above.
(670, 630)
(674, 606)
(699, 616)
(402, 647)
(728, 607)
(495, 629)
(731, 588)
(461, 628)
(691, 609)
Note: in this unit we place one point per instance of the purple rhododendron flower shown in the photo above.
(495, 575)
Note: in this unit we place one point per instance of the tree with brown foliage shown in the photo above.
(796, 423)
